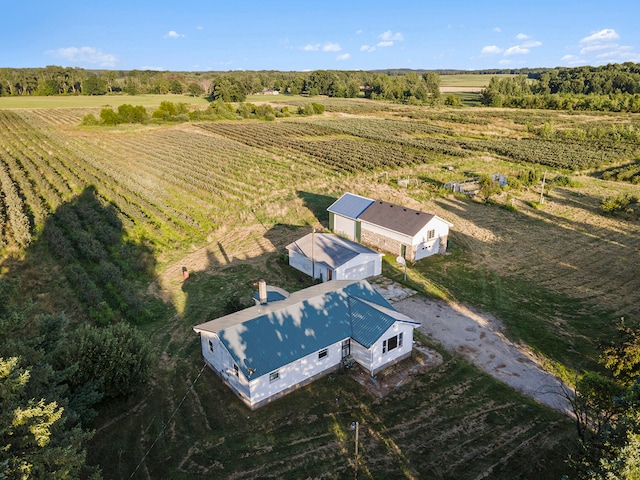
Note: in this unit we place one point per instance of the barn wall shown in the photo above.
(344, 226)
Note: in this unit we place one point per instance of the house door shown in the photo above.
(346, 348)
(329, 274)
(403, 251)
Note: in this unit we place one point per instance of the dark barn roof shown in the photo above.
(395, 217)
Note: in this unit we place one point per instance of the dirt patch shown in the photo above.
(479, 339)
(402, 373)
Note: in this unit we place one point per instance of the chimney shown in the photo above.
(262, 292)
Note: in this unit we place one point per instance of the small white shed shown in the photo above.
(330, 257)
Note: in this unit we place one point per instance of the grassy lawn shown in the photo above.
(223, 199)
(451, 422)
(83, 101)
(468, 80)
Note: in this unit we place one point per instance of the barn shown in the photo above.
(387, 227)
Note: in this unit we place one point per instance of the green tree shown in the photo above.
(488, 186)
(34, 442)
(119, 355)
(432, 84)
(108, 116)
(195, 89)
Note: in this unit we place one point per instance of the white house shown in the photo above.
(391, 228)
(330, 257)
(271, 349)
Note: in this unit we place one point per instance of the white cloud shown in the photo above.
(311, 47)
(331, 47)
(367, 48)
(522, 36)
(344, 56)
(516, 50)
(497, 29)
(532, 44)
(389, 36)
(605, 35)
(603, 44)
(199, 27)
(358, 32)
(384, 44)
(173, 34)
(597, 48)
(85, 55)
(491, 50)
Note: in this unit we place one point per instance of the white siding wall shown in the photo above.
(300, 262)
(361, 355)
(344, 226)
(426, 247)
(303, 263)
(360, 267)
(380, 359)
(295, 373)
(223, 363)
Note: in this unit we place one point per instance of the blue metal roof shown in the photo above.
(269, 337)
(350, 205)
(272, 296)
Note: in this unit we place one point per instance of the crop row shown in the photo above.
(63, 116)
(572, 156)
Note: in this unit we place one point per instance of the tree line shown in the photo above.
(226, 86)
(614, 87)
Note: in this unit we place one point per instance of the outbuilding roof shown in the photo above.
(263, 338)
(350, 205)
(395, 217)
(329, 249)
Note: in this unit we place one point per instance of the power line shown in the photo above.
(167, 422)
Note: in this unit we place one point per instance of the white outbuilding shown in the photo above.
(330, 257)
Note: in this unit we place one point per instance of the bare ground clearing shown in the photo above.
(479, 339)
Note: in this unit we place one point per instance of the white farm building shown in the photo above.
(271, 349)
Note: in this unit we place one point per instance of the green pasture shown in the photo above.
(469, 80)
(85, 101)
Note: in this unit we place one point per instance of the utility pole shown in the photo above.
(544, 177)
(313, 262)
(357, 429)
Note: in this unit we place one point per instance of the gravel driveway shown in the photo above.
(478, 338)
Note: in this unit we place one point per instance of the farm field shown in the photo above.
(223, 199)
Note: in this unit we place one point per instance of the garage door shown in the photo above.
(360, 271)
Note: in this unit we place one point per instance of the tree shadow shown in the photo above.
(83, 282)
(318, 205)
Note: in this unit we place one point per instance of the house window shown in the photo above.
(392, 343)
(236, 371)
(322, 354)
(273, 376)
(431, 234)
(211, 346)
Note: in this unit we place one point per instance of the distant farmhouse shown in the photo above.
(387, 227)
(268, 350)
(329, 257)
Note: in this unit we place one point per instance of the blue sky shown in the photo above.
(302, 35)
